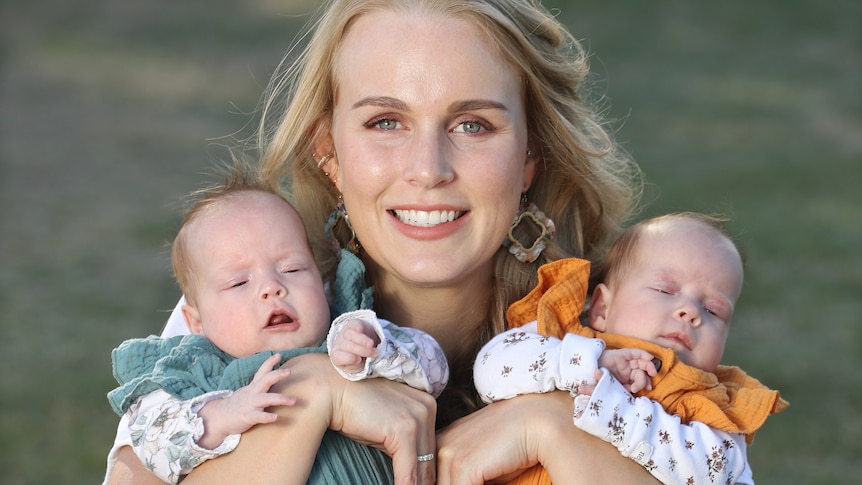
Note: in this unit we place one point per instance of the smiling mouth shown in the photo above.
(426, 218)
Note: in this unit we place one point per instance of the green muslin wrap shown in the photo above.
(343, 461)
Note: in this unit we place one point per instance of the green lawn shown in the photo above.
(111, 111)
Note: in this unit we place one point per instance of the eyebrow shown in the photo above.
(397, 104)
(381, 101)
(477, 104)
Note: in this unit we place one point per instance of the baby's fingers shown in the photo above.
(272, 399)
(643, 361)
(266, 377)
(260, 415)
(361, 345)
(357, 334)
(639, 380)
(267, 365)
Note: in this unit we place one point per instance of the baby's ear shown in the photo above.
(193, 319)
(599, 304)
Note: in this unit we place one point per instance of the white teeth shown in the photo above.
(426, 218)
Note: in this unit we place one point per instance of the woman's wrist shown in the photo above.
(314, 382)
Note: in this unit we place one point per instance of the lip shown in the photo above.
(427, 225)
(281, 320)
(678, 339)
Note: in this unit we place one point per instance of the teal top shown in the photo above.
(185, 366)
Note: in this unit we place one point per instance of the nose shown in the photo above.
(689, 313)
(428, 162)
(272, 290)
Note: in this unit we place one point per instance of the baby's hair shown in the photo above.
(238, 178)
(622, 253)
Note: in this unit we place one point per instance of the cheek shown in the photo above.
(363, 174)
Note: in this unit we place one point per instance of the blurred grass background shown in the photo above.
(111, 111)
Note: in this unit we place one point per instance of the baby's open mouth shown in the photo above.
(278, 318)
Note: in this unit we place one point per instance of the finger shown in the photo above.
(645, 365)
(262, 417)
(586, 389)
(641, 354)
(344, 359)
(360, 339)
(642, 381)
(427, 445)
(420, 432)
(365, 328)
(266, 381)
(405, 466)
(427, 473)
(358, 349)
(636, 382)
(267, 365)
(274, 399)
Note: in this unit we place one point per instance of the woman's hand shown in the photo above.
(490, 443)
(393, 417)
(508, 437)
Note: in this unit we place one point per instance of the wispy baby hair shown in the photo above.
(623, 251)
(238, 178)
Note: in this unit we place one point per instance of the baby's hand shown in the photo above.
(632, 367)
(355, 342)
(588, 389)
(246, 407)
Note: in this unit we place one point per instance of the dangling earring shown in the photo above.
(340, 214)
(323, 160)
(529, 211)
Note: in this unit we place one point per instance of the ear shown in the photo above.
(322, 145)
(193, 319)
(599, 305)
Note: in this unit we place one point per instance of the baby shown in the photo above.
(254, 298)
(658, 325)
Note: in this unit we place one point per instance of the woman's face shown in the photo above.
(429, 128)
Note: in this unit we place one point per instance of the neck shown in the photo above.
(451, 314)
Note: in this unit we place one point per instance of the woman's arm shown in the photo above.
(280, 452)
(511, 436)
(376, 412)
(129, 469)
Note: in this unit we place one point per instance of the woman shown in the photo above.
(432, 121)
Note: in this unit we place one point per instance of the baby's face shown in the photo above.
(258, 287)
(680, 293)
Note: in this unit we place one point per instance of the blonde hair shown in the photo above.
(585, 183)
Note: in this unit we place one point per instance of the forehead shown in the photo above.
(690, 248)
(429, 50)
(250, 210)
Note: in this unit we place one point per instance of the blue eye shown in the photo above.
(469, 127)
(386, 124)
